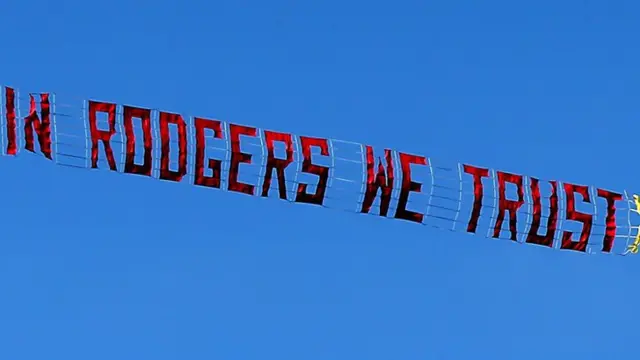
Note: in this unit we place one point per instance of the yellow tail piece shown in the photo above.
(635, 246)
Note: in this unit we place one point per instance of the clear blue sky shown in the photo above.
(157, 271)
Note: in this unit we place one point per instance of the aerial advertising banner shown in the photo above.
(317, 171)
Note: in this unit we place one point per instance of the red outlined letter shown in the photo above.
(533, 237)
(278, 164)
(381, 181)
(42, 128)
(166, 174)
(214, 164)
(408, 185)
(10, 106)
(508, 205)
(572, 214)
(610, 233)
(102, 135)
(478, 193)
(307, 167)
(145, 117)
(238, 157)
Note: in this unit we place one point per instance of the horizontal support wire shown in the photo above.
(393, 197)
(259, 177)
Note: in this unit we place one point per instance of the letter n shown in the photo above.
(42, 126)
